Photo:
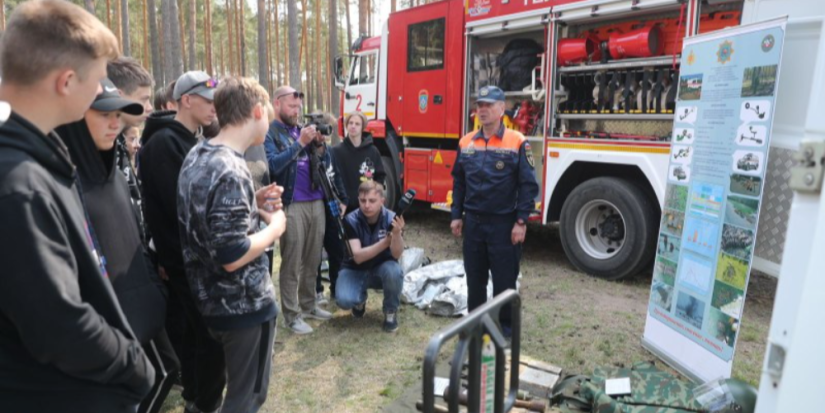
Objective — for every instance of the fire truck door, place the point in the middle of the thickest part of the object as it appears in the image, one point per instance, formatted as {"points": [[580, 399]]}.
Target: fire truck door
{"points": [[425, 80], [361, 92]]}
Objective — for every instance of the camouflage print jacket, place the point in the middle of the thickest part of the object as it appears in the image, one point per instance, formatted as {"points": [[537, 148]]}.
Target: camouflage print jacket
{"points": [[216, 212]]}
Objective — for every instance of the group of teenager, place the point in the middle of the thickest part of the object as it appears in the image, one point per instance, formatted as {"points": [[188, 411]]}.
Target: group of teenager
{"points": [[132, 260]]}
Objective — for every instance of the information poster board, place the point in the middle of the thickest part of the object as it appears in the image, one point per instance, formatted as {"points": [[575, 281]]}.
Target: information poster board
{"points": [[719, 153]]}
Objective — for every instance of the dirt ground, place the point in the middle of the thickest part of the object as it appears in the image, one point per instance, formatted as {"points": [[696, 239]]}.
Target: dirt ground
{"points": [[569, 319]]}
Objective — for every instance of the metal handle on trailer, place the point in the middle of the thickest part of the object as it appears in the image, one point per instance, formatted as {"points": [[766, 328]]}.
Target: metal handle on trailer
{"points": [[470, 330]]}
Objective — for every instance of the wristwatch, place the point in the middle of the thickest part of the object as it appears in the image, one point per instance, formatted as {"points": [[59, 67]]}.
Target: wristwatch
{"points": [[521, 222]]}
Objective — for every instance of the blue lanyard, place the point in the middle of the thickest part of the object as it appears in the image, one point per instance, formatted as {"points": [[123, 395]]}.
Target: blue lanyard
{"points": [[90, 233]]}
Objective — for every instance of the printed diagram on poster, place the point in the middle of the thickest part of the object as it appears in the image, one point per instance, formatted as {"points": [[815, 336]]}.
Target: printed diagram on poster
{"points": [[687, 114], [682, 155], [706, 200], [690, 309], [759, 81], [696, 274], [718, 158], [701, 236], [690, 87], [751, 135], [684, 135], [748, 162], [746, 185], [679, 173], [742, 212], [755, 111]]}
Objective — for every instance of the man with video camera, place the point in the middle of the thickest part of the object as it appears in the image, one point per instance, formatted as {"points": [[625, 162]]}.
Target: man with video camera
{"points": [[294, 154]]}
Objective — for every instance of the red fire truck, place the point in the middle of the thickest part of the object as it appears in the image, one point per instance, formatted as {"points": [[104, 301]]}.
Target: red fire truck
{"points": [[591, 83]]}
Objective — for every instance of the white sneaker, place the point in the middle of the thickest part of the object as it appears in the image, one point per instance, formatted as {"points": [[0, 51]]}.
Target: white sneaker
{"points": [[318, 314], [321, 299], [299, 326]]}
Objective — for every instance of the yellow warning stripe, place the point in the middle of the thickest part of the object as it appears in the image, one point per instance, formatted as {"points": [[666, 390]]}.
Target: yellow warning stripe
{"points": [[429, 135], [367, 114], [612, 148]]}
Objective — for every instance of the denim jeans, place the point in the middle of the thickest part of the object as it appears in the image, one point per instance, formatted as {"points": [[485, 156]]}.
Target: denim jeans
{"points": [[351, 288]]}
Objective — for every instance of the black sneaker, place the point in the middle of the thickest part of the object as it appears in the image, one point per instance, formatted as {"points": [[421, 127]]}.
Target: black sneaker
{"points": [[390, 322], [359, 310]]}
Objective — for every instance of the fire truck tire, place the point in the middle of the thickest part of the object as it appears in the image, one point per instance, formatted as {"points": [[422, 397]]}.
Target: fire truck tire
{"points": [[391, 192], [608, 228]]}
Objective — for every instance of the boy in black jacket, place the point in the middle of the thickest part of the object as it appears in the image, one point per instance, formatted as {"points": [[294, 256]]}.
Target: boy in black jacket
{"points": [[167, 139], [105, 194], [65, 344]]}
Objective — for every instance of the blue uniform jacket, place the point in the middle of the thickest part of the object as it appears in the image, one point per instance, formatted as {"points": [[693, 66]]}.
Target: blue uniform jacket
{"points": [[358, 227], [282, 154], [494, 176]]}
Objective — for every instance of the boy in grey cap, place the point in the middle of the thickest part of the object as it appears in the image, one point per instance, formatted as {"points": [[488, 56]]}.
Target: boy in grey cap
{"points": [[166, 141]]}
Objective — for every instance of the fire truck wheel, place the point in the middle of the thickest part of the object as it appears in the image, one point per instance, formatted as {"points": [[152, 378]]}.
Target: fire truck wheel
{"points": [[391, 192], [608, 228]]}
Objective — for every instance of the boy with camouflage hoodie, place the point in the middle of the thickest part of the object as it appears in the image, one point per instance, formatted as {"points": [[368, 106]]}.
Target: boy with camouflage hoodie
{"points": [[226, 267]]}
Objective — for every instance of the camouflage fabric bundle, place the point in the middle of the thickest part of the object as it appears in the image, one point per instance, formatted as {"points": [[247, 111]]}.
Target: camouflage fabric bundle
{"points": [[653, 391]]}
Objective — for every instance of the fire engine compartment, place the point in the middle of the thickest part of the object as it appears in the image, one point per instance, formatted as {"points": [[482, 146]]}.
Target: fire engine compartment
{"points": [[616, 79]]}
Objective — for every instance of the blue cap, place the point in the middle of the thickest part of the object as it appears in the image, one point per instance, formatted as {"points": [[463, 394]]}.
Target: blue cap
{"points": [[490, 94]]}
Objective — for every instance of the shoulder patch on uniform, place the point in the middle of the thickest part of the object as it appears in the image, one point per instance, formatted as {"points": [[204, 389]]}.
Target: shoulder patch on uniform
{"points": [[529, 154]]}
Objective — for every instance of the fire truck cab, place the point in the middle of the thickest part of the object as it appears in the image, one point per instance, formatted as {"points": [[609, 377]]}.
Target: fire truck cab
{"points": [[591, 84]]}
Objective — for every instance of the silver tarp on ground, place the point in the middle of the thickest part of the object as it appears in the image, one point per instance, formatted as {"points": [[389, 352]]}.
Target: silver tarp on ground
{"points": [[440, 288]]}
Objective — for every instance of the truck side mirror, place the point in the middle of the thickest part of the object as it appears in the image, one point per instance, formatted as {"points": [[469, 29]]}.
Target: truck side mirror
{"points": [[338, 71]]}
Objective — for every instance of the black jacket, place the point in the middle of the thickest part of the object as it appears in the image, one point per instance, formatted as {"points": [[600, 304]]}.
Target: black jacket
{"points": [[356, 165], [106, 196], [165, 143], [65, 344]]}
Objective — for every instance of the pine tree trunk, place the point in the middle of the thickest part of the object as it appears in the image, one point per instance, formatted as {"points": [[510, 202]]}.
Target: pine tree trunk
{"points": [[181, 30], [241, 37], [116, 28], [124, 24], [109, 14], [392, 6], [349, 26], [154, 41], [303, 45], [263, 55], [173, 56], [271, 73], [221, 63], [333, 53], [363, 17], [146, 56], [207, 36], [168, 40], [294, 62], [277, 68], [3, 14], [319, 98], [230, 17], [193, 18]]}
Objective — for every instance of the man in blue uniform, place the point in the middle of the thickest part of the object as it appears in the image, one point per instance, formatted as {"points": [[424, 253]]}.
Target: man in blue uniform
{"points": [[494, 191]]}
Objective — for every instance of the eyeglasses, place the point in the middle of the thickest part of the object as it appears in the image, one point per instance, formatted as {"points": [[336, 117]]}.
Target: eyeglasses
{"points": [[296, 95], [209, 84]]}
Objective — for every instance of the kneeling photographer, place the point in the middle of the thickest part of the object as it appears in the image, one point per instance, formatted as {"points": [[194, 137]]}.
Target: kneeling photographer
{"points": [[295, 156]]}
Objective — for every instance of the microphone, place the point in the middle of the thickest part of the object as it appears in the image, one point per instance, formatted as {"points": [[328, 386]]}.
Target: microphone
{"points": [[405, 202]]}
